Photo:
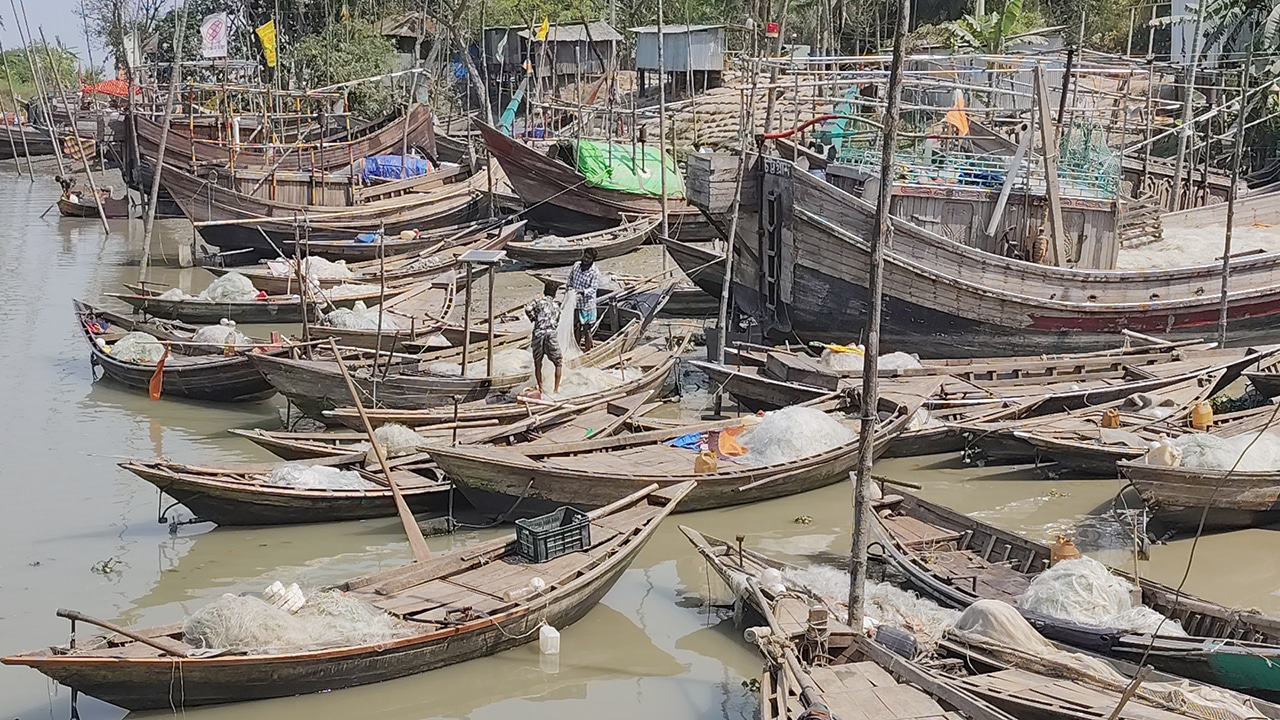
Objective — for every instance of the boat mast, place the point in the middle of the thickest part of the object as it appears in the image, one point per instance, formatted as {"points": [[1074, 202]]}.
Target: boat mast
{"points": [[175, 75], [1184, 132], [881, 238], [662, 131], [13, 97], [1232, 192]]}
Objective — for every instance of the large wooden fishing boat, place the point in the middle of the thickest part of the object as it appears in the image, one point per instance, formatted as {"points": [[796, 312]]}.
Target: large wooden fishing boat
{"points": [[611, 242], [956, 559], [454, 601], [560, 197], [27, 141], [522, 481], [944, 298], [149, 299], [232, 220], [416, 129], [244, 494], [192, 371]]}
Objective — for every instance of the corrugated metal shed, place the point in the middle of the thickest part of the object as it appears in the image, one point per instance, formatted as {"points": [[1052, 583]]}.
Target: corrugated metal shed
{"points": [[567, 50], [597, 31], [685, 47]]}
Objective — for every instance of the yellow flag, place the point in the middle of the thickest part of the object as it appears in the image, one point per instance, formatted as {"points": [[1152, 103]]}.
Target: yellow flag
{"points": [[267, 34], [542, 30]]}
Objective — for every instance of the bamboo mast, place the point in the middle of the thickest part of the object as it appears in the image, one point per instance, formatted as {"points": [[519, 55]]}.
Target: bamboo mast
{"points": [[13, 97], [1188, 89], [175, 75], [882, 237], [1232, 192], [41, 86], [662, 131], [75, 133]]}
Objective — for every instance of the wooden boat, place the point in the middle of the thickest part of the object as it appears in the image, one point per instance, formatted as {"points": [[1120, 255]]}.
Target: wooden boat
{"points": [[956, 559], [271, 309], [686, 300], [454, 601], [28, 141], [817, 666], [522, 481], [855, 678], [558, 196], [608, 243], [703, 265], [1266, 379], [948, 299], [332, 153], [1182, 498], [243, 494], [233, 220], [81, 206], [644, 369], [195, 372], [316, 385]]}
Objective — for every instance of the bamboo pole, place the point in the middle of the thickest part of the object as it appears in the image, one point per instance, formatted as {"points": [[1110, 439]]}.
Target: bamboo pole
{"points": [[37, 77], [1232, 192], [13, 97], [417, 543], [149, 221], [75, 133], [1184, 132], [882, 238]]}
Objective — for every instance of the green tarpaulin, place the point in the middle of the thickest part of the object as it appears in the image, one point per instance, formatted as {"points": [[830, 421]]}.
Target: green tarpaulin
{"points": [[622, 167]]}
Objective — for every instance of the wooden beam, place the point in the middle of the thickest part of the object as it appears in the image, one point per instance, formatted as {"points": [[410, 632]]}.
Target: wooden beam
{"points": [[1049, 140]]}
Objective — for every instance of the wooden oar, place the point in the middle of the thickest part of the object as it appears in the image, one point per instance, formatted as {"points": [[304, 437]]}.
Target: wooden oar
{"points": [[417, 543], [164, 645]]}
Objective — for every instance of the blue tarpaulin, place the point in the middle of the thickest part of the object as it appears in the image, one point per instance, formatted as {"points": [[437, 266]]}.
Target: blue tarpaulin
{"points": [[691, 441], [390, 167]]}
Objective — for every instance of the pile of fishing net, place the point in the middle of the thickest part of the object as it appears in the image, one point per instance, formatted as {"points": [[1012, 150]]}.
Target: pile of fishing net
{"points": [[852, 360], [346, 290], [361, 317], [138, 347], [317, 477], [224, 333], [1084, 591], [1255, 452], [313, 268], [885, 604], [550, 241], [506, 363], [998, 628], [793, 433], [232, 287], [328, 619], [396, 440]]}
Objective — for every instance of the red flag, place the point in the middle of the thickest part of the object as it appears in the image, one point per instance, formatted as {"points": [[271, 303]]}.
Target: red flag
{"points": [[157, 378]]}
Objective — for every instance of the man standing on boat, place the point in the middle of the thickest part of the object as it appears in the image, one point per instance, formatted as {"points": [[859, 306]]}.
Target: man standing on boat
{"points": [[545, 316], [584, 277]]}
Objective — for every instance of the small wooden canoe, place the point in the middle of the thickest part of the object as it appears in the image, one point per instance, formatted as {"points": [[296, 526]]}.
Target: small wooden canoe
{"points": [[1181, 498], [956, 559], [192, 371], [79, 206], [244, 494], [1266, 380], [613, 242], [455, 601], [522, 481], [268, 310]]}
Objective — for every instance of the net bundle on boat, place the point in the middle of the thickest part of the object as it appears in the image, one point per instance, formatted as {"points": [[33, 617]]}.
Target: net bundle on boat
{"points": [[1085, 591], [346, 290], [328, 619], [999, 628], [793, 433], [397, 440], [361, 317], [885, 604], [317, 477], [232, 287], [138, 347], [1255, 452], [853, 361], [224, 333]]}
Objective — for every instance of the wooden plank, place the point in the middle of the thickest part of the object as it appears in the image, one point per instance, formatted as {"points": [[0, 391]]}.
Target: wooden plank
{"points": [[875, 674], [907, 702]]}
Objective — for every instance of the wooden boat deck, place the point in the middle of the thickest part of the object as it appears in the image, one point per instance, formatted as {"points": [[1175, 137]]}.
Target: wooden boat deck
{"points": [[1019, 686], [864, 691], [946, 554]]}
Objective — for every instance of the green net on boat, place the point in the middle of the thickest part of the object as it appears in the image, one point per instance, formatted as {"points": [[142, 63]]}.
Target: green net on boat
{"points": [[634, 169]]}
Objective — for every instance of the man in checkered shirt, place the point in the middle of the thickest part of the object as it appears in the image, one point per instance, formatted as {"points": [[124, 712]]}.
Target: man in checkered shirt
{"points": [[584, 277]]}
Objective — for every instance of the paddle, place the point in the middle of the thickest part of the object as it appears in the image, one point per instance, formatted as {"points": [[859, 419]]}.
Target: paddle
{"points": [[163, 644], [417, 543]]}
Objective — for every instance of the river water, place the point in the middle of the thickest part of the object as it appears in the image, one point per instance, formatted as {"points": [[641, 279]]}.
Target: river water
{"points": [[78, 532]]}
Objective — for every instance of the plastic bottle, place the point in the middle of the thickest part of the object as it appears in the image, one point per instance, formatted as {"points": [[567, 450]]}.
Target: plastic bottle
{"points": [[1063, 549], [1202, 415], [1111, 418], [705, 462], [549, 640]]}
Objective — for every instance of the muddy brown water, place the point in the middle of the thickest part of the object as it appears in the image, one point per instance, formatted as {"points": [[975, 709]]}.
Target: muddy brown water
{"points": [[78, 532]]}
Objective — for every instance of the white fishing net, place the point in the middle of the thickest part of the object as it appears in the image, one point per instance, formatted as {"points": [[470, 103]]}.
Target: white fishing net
{"points": [[1085, 591], [793, 433], [361, 317], [853, 361], [232, 287], [506, 363], [174, 294], [885, 604], [397, 440], [224, 333], [138, 347], [329, 619], [346, 290], [998, 627], [317, 477], [1213, 452], [922, 419], [569, 349], [318, 268], [550, 241]]}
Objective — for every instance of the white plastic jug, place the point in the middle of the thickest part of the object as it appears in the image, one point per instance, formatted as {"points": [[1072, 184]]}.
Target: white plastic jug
{"points": [[549, 640]]}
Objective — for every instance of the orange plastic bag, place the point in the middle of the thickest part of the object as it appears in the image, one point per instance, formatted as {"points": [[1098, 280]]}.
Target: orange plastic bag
{"points": [[726, 445]]}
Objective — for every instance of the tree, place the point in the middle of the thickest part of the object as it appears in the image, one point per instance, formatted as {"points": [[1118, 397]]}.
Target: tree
{"points": [[346, 51], [990, 32]]}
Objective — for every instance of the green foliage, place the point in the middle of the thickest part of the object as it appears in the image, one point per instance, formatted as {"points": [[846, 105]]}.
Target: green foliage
{"points": [[1106, 22], [989, 33], [16, 67], [1230, 23], [343, 52]]}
